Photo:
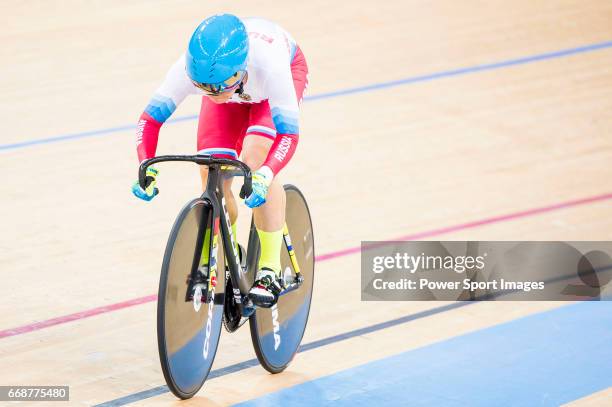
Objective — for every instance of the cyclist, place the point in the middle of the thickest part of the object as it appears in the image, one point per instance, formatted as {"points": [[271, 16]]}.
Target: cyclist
{"points": [[252, 76]]}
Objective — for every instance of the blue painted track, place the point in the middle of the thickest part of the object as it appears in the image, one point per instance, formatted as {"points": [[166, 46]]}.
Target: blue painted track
{"points": [[545, 359]]}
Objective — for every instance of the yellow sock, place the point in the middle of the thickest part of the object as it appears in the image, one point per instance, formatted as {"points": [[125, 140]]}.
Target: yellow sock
{"points": [[205, 248], [235, 237], [270, 249], [204, 257]]}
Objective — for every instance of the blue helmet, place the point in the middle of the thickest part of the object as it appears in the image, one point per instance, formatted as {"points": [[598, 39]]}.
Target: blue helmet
{"points": [[217, 50]]}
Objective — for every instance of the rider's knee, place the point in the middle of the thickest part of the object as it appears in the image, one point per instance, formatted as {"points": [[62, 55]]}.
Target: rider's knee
{"points": [[254, 160], [255, 152]]}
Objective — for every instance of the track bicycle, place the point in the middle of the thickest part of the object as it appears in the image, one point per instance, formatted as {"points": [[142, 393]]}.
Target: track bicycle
{"points": [[194, 302]]}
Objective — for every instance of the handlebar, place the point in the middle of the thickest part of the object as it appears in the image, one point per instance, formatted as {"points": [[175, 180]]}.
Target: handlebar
{"points": [[208, 160]]}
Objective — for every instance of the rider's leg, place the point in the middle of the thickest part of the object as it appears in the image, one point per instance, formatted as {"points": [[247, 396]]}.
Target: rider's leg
{"points": [[270, 217], [230, 201], [220, 128], [232, 210]]}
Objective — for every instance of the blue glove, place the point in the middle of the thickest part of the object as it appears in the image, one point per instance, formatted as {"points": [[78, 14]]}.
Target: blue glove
{"points": [[262, 178], [150, 190]]}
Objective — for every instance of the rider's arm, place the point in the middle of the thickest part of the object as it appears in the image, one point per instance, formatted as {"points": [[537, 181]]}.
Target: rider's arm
{"points": [[167, 97], [285, 114]]}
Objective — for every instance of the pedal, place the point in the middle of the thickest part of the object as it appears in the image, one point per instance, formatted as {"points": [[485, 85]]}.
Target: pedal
{"points": [[264, 304], [199, 278], [248, 308], [268, 304]]}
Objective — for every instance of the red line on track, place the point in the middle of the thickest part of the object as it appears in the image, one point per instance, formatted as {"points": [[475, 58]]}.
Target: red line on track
{"points": [[328, 256], [477, 223], [76, 316]]}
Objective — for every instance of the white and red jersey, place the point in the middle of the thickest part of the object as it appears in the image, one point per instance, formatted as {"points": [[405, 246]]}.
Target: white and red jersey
{"points": [[271, 51]]}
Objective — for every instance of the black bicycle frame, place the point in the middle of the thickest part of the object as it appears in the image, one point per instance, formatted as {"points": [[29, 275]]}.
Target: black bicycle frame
{"points": [[213, 196]]}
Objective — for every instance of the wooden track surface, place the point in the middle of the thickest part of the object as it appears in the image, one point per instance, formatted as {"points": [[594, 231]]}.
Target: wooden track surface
{"points": [[373, 165]]}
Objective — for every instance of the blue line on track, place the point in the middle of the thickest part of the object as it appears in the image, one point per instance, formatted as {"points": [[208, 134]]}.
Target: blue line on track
{"points": [[360, 89], [156, 391], [546, 359]]}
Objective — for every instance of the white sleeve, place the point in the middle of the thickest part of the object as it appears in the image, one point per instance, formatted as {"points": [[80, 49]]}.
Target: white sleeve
{"points": [[173, 90], [283, 101]]}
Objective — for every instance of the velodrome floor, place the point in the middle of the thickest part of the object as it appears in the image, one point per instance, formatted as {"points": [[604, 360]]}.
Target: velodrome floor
{"points": [[424, 120]]}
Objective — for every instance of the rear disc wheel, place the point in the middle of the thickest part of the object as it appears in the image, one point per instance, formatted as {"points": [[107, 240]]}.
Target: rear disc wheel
{"points": [[277, 332]]}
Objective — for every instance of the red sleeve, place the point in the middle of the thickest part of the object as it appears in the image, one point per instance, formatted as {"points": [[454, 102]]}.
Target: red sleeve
{"points": [[281, 151], [147, 133]]}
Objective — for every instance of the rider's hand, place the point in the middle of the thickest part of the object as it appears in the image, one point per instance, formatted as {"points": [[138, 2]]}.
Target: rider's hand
{"points": [[150, 190], [262, 178]]}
